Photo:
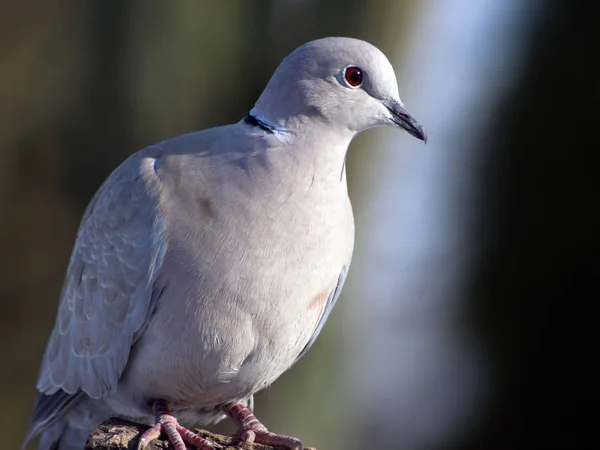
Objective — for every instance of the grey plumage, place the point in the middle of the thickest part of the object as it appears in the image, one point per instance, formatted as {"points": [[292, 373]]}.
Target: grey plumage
{"points": [[207, 264]]}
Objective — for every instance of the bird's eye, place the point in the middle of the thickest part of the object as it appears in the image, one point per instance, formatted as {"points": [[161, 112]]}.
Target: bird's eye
{"points": [[353, 76]]}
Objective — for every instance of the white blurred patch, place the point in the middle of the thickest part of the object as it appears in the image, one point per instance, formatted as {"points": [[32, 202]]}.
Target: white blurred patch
{"points": [[421, 376]]}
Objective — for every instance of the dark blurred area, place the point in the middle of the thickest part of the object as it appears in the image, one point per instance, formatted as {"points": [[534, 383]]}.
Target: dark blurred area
{"points": [[538, 267], [85, 84]]}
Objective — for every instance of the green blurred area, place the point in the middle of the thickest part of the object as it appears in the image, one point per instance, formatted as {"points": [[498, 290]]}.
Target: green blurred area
{"points": [[83, 85]]}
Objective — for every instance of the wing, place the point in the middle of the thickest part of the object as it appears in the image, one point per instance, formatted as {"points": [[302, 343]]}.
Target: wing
{"points": [[107, 295], [333, 296]]}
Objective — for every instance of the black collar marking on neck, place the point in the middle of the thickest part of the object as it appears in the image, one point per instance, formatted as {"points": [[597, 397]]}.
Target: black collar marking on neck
{"points": [[251, 120]]}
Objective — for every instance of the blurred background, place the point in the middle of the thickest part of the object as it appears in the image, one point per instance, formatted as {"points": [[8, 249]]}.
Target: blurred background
{"points": [[464, 319]]}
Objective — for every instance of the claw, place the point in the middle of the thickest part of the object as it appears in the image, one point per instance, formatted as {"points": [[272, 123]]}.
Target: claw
{"points": [[178, 436], [251, 430]]}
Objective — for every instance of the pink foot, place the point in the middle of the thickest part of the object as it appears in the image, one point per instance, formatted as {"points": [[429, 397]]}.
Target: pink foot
{"points": [[178, 436], [251, 430]]}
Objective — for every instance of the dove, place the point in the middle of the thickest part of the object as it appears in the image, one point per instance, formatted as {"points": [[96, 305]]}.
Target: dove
{"points": [[206, 265]]}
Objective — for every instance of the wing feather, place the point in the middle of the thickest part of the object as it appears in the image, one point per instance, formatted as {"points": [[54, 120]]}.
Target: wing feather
{"points": [[107, 293]]}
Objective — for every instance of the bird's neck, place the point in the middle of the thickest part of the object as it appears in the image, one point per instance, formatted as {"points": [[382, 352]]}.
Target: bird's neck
{"points": [[313, 149], [267, 125], [320, 155]]}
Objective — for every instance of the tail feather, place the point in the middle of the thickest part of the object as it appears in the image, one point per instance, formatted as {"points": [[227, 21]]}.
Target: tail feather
{"points": [[50, 438], [49, 409], [63, 436]]}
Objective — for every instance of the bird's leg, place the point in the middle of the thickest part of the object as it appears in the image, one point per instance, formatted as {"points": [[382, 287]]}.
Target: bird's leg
{"points": [[249, 429], [178, 436]]}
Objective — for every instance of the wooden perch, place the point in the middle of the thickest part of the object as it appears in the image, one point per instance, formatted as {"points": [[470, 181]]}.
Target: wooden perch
{"points": [[119, 434]]}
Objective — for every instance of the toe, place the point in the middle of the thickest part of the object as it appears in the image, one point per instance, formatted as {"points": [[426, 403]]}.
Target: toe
{"points": [[278, 440], [148, 436], [194, 439]]}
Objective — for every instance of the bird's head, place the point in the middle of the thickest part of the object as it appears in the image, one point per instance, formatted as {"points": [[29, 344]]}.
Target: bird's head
{"points": [[346, 83]]}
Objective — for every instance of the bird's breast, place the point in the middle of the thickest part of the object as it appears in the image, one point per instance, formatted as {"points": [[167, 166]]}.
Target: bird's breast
{"points": [[246, 288]]}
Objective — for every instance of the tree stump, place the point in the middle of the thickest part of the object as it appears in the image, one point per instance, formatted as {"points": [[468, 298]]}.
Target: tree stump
{"points": [[119, 434]]}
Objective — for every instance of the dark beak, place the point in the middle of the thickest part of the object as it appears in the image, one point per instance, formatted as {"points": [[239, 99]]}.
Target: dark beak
{"points": [[403, 119]]}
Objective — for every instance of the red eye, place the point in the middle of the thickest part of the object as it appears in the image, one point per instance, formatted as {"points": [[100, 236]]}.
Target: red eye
{"points": [[353, 76]]}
